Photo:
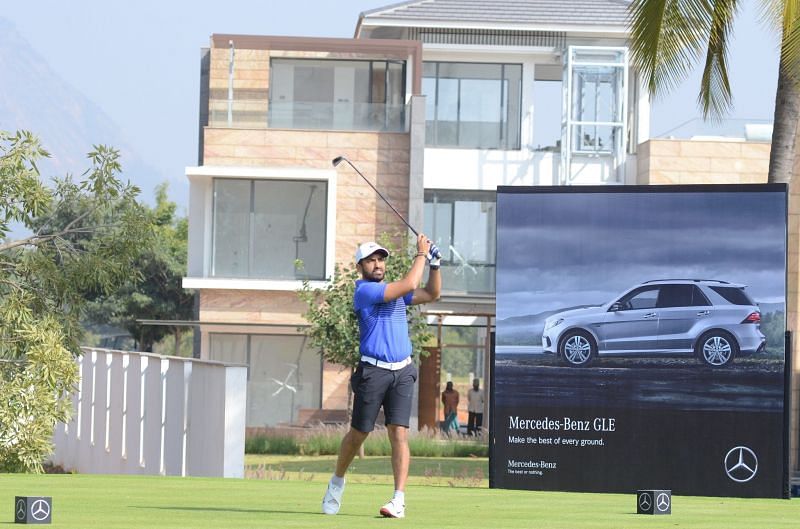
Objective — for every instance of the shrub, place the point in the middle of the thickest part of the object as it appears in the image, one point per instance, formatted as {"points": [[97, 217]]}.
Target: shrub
{"points": [[377, 444], [34, 396], [263, 444], [323, 443], [326, 441]]}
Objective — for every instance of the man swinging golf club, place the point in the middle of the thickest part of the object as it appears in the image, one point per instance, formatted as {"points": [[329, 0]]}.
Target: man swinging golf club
{"points": [[386, 374]]}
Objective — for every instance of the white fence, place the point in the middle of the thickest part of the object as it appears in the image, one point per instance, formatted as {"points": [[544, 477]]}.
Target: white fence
{"points": [[138, 413]]}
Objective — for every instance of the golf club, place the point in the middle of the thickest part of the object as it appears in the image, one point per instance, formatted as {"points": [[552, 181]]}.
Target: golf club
{"points": [[340, 159]]}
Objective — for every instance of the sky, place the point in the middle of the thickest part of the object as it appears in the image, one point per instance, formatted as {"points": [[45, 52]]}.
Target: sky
{"points": [[570, 248], [139, 62]]}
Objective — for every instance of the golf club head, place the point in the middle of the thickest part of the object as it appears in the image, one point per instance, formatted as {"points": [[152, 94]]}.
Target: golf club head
{"points": [[337, 160]]}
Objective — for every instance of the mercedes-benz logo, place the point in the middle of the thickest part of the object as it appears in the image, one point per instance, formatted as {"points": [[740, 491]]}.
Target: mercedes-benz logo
{"points": [[644, 502], [40, 510], [741, 464], [20, 509], [662, 502]]}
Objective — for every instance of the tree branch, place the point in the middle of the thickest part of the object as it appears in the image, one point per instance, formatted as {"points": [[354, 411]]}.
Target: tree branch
{"points": [[36, 240]]}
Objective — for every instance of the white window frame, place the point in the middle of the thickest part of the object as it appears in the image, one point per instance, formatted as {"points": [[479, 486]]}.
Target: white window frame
{"points": [[201, 223]]}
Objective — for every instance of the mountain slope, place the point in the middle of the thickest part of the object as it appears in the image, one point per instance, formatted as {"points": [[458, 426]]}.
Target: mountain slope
{"points": [[34, 97]]}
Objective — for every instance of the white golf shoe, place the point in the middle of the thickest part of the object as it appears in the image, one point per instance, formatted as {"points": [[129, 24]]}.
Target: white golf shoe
{"points": [[393, 509], [333, 499]]}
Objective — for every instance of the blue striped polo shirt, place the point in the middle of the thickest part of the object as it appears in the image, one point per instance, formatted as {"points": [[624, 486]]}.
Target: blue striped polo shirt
{"points": [[383, 325]]}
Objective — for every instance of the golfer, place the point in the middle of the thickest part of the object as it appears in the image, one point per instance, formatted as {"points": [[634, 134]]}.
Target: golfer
{"points": [[386, 374]]}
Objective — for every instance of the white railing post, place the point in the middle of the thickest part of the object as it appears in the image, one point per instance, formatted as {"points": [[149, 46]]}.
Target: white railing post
{"points": [[133, 415], [84, 411], [235, 420], [173, 418], [151, 433], [116, 412]]}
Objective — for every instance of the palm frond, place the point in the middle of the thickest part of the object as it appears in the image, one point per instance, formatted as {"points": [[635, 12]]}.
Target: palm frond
{"points": [[770, 13], [667, 39], [790, 41], [715, 90]]}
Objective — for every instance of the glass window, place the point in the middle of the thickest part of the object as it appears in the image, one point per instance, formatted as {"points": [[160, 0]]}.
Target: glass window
{"points": [[596, 101], [262, 227], [337, 94], [463, 355], [231, 228], [641, 298], [681, 296], [472, 105], [734, 295], [230, 348], [439, 225], [313, 83], [284, 374], [462, 224], [470, 221]]}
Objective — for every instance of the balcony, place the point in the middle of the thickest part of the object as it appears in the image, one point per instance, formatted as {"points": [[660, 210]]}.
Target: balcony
{"points": [[308, 115], [338, 116]]}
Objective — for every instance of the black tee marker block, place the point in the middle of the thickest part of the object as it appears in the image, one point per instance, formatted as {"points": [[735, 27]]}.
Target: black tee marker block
{"points": [[33, 509], [654, 502]]}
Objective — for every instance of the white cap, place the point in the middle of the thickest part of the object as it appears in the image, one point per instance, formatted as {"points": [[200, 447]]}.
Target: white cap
{"points": [[369, 248]]}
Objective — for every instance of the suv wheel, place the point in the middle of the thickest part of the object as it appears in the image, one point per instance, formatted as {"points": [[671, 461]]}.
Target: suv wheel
{"points": [[577, 348], [716, 348]]}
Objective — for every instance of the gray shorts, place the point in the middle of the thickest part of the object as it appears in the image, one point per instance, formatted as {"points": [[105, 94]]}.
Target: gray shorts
{"points": [[374, 387]]}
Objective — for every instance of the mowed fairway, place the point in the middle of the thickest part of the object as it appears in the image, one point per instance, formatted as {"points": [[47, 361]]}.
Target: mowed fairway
{"points": [[86, 501]]}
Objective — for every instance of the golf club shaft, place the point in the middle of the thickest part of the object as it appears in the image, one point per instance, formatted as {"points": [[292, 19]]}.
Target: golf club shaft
{"points": [[339, 159]]}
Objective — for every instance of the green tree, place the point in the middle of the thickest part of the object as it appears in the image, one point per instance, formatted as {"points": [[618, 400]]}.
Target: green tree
{"points": [[155, 291], [773, 326], [333, 325], [84, 237], [668, 37], [459, 361]]}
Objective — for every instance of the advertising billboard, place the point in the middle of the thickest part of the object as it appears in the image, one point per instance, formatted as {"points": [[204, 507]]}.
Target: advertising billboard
{"points": [[641, 339]]}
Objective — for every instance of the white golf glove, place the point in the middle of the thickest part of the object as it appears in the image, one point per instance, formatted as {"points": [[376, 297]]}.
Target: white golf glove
{"points": [[434, 257]]}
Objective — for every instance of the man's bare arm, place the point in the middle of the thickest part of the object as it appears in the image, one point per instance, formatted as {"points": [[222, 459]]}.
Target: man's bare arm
{"points": [[431, 291]]}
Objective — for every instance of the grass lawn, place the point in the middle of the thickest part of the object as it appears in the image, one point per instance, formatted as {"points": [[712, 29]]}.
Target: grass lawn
{"points": [[94, 501]]}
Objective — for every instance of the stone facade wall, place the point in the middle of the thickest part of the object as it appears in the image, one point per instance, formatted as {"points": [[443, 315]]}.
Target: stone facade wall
{"points": [[251, 306], [250, 87], [702, 162]]}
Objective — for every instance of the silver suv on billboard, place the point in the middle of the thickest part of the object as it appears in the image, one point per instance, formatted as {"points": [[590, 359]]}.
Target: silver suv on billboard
{"points": [[714, 320]]}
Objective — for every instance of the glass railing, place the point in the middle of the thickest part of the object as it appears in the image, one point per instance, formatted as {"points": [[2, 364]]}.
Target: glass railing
{"points": [[468, 278], [342, 116]]}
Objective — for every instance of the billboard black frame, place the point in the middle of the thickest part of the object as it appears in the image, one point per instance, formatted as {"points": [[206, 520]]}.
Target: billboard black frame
{"points": [[695, 188]]}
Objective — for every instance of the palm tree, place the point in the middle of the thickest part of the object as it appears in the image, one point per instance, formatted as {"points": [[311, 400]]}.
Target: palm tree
{"points": [[668, 37]]}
